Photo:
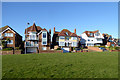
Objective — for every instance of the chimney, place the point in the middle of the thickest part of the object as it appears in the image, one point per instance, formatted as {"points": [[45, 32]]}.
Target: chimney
{"points": [[54, 29], [50, 31], [75, 31]]}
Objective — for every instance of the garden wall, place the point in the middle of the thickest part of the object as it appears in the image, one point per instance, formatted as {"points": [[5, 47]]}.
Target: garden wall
{"points": [[51, 51], [10, 52]]}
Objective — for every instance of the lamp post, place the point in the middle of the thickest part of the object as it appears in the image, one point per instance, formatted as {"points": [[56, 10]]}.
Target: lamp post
{"points": [[26, 38]]}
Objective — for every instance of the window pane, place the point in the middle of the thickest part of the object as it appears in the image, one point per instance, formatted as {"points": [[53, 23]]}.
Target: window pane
{"points": [[44, 42], [62, 37], [44, 35]]}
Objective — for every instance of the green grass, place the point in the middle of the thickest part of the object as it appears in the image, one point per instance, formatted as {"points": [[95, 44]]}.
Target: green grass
{"points": [[61, 65]]}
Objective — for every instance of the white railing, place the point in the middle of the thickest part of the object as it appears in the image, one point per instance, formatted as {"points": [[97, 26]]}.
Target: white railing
{"points": [[31, 45], [36, 38]]}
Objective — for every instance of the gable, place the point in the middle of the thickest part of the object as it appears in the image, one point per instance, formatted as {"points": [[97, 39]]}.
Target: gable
{"points": [[8, 30]]}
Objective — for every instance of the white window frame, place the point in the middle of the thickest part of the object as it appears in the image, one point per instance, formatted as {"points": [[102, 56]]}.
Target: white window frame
{"points": [[61, 37], [0, 35], [11, 42], [44, 39], [44, 48], [74, 44], [74, 38], [61, 43], [8, 34]]}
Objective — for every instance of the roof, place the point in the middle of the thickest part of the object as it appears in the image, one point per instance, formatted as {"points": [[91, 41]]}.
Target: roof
{"points": [[87, 33], [34, 28], [107, 35], [5, 27], [66, 32]]}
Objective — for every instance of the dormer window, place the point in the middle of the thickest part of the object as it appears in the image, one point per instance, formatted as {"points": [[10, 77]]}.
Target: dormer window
{"points": [[91, 34], [97, 34], [66, 33]]}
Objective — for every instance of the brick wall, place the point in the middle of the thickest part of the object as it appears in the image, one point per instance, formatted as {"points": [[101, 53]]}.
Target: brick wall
{"points": [[51, 51], [7, 52], [94, 49], [11, 52]]}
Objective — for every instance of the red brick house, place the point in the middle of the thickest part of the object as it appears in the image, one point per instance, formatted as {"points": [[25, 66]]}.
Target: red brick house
{"points": [[65, 40], [15, 39], [37, 39]]}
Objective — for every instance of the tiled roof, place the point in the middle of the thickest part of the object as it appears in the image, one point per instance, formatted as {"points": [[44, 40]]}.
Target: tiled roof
{"points": [[44, 29], [66, 32], [33, 28], [88, 33], [5, 27]]}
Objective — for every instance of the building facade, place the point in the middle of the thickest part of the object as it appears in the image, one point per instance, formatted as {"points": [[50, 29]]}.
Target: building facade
{"points": [[65, 39], [37, 39], [91, 38], [9, 35]]}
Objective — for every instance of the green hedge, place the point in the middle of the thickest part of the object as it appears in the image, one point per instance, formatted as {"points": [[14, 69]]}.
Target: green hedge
{"points": [[7, 49], [58, 49]]}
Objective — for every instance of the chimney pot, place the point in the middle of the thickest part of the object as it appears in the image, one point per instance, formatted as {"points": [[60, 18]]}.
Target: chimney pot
{"points": [[54, 29], [75, 31], [50, 31]]}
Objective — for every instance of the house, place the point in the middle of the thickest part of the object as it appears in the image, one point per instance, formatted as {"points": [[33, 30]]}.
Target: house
{"points": [[65, 40], [12, 38], [91, 38], [37, 39], [108, 40]]}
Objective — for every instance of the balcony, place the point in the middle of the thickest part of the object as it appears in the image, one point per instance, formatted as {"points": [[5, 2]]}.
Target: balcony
{"points": [[31, 45], [98, 36], [36, 38]]}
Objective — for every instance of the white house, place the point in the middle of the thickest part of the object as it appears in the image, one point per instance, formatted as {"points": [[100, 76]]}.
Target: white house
{"points": [[91, 38]]}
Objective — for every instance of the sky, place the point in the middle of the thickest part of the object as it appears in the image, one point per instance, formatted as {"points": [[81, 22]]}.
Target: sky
{"points": [[84, 16]]}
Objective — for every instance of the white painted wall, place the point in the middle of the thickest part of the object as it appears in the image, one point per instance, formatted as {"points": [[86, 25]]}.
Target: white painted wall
{"points": [[92, 40]]}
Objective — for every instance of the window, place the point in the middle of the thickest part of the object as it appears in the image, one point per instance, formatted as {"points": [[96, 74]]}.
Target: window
{"points": [[62, 44], [44, 42], [74, 38], [62, 37], [99, 39], [8, 34], [67, 38], [36, 42], [27, 43], [0, 35], [91, 34], [32, 36], [112, 45], [10, 42], [44, 48], [74, 43], [44, 38], [66, 33], [57, 39], [44, 35], [97, 34]]}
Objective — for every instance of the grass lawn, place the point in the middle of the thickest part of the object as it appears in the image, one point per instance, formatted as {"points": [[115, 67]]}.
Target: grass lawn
{"points": [[61, 65]]}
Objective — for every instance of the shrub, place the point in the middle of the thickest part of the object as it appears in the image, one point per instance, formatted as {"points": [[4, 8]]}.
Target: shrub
{"points": [[7, 49], [111, 48], [58, 49], [117, 48], [17, 48]]}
